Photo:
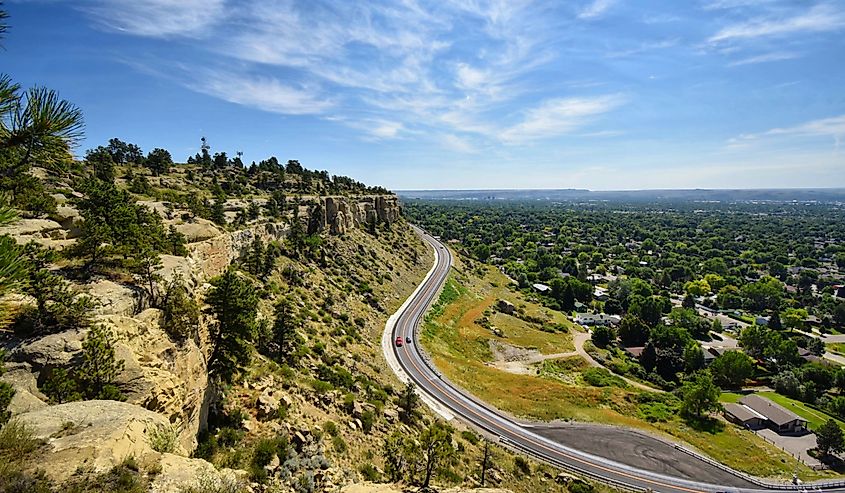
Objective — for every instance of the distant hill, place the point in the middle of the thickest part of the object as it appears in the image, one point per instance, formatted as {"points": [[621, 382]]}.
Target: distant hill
{"points": [[738, 195]]}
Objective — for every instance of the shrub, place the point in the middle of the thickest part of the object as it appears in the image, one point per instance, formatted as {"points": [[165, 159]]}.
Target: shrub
{"points": [[214, 484], [180, 312], [163, 438], [339, 444], [61, 386], [17, 439], [331, 428], [367, 420], [6, 395], [470, 437], [370, 473], [522, 466], [601, 377]]}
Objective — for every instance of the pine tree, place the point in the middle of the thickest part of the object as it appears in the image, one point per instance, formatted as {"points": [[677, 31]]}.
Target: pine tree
{"points": [[286, 339], [235, 305], [409, 403], [180, 313], [100, 368]]}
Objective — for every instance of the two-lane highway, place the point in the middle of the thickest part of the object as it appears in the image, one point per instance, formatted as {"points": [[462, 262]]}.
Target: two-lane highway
{"points": [[519, 436]]}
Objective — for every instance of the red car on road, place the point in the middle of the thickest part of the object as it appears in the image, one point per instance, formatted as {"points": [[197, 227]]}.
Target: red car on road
{"points": [[399, 341]]}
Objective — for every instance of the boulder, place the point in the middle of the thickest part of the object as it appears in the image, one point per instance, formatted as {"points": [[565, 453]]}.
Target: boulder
{"points": [[198, 230], [26, 230], [159, 374], [95, 434], [178, 473], [505, 307], [70, 219], [27, 396], [51, 350], [267, 405], [114, 298]]}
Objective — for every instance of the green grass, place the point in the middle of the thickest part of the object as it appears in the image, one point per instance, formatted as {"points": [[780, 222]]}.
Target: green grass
{"points": [[814, 417], [730, 397], [836, 347]]}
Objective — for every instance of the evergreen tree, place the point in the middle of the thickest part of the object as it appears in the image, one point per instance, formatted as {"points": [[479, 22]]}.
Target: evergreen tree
{"points": [[61, 386], [234, 304], [286, 337], [437, 450], [99, 368], [218, 209], [179, 312], [100, 161], [409, 403], [159, 161]]}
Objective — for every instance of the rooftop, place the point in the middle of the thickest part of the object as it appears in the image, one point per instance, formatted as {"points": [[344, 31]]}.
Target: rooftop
{"points": [[776, 413]]}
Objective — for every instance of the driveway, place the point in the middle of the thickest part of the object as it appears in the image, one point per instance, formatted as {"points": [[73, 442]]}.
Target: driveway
{"points": [[797, 446]]}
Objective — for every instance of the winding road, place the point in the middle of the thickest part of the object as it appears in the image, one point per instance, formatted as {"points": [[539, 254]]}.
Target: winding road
{"points": [[625, 470]]}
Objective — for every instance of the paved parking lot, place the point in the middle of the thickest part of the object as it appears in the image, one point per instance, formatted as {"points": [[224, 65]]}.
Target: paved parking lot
{"points": [[795, 445]]}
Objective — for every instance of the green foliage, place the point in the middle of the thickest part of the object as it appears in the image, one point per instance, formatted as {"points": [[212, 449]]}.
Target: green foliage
{"points": [[601, 377], [234, 304], [58, 306], [369, 472], [179, 311], [829, 438], [409, 403], [7, 392], [61, 385], [17, 439], [633, 331], [163, 438], [115, 228], [700, 396], [732, 369], [35, 126], [603, 335], [521, 466], [99, 368]]}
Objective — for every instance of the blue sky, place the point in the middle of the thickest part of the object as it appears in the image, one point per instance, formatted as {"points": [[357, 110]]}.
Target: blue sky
{"points": [[411, 94]]}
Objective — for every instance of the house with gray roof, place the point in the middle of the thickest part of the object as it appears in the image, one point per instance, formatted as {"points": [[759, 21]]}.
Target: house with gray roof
{"points": [[777, 417]]}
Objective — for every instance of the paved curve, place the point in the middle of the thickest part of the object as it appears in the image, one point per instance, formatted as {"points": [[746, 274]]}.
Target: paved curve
{"points": [[525, 438]]}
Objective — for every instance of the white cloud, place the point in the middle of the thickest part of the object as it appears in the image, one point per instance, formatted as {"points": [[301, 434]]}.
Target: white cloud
{"points": [[559, 116], [833, 127], [764, 58], [267, 94], [457, 144], [820, 18], [157, 18], [595, 9]]}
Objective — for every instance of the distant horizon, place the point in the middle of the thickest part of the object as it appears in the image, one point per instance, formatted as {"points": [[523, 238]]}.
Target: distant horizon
{"points": [[529, 189]]}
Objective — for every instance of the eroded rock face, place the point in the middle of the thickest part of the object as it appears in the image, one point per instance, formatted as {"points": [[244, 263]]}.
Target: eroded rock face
{"points": [[97, 434], [159, 374], [339, 214]]}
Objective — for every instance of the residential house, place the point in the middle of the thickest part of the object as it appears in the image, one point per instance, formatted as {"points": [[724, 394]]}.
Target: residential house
{"points": [[590, 319], [777, 417], [744, 416]]}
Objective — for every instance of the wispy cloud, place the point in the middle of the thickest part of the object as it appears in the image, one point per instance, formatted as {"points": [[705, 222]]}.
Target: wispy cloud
{"points": [[833, 127], [776, 56], [819, 18], [263, 93], [156, 18], [559, 116], [595, 9]]}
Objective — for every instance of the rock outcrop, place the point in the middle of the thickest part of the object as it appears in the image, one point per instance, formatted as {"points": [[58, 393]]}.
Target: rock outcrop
{"points": [[390, 488], [340, 214], [96, 434]]}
